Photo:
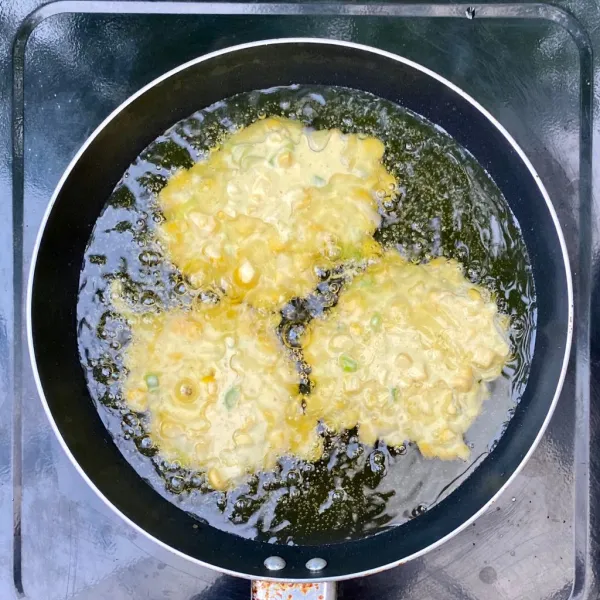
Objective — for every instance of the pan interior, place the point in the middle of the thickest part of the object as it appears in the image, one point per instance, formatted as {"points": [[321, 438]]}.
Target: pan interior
{"points": [[448, 205]]}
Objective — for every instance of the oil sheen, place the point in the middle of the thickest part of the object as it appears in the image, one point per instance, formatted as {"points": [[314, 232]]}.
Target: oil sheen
{"points": [[444, 205]]}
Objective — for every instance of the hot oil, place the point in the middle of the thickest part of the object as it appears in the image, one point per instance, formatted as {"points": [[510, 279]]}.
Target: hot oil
{"points": [[446, 204]]}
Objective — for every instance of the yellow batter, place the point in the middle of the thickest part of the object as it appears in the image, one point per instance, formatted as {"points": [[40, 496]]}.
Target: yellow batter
{"points": [[406, 355], [274, 201], [221, 394]]}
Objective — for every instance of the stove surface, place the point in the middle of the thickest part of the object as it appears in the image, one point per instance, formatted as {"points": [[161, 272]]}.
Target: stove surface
{"points": [[57, 539]]}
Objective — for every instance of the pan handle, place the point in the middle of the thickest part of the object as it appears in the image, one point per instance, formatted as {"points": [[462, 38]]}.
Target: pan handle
{"points": [[274, 590]]}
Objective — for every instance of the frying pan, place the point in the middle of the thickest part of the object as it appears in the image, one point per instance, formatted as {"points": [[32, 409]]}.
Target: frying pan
{"points": [[80, 197]]}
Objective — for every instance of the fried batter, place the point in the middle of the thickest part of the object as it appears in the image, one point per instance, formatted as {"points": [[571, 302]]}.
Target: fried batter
{"points": [[406, 355], [272, 203], [221, 394]]}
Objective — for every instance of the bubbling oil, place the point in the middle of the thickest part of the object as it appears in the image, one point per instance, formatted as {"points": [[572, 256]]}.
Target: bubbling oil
{"points": [[445, 205]]}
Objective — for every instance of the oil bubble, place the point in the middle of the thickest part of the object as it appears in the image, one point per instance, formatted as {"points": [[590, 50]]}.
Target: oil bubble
{"points": [[292, 335], [146, 446], [148, 298], [338, 495], [149, 258], [181, 288], [196, 481], [293, 477], [131, 420], [176, 485]]}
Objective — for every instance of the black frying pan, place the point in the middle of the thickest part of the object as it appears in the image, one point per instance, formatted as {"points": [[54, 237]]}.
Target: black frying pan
{"points": [[82, 194]]}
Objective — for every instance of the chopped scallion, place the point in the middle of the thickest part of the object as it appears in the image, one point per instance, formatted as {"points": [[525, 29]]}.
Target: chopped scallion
{"points": [[348, 364], [152, 381], [231, 397]]}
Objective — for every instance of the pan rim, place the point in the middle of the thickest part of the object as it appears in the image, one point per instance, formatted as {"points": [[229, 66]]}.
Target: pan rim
{"points": [[297, 40]]}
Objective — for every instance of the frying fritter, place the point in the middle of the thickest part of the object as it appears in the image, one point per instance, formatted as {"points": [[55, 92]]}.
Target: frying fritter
{"points": [[221, 394], [406, 355], [272, 203]]}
